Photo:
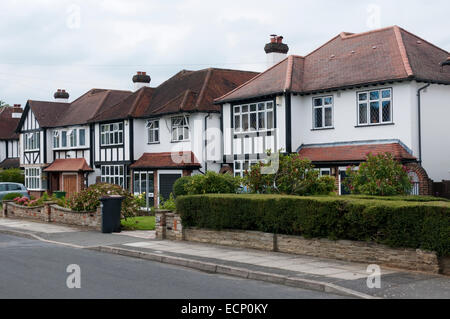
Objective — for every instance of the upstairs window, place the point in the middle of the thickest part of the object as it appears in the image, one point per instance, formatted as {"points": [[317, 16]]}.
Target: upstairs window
{"points": [[375, 107], [55, 139], [82, 137], [63, 139], [153, 131], [73, 138], [32, 141], [323, 112], [180, 129], [257, 117], [111, 134]]}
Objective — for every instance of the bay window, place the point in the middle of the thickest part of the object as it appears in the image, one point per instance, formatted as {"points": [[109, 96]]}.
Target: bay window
{"points": [[113, 174], [33, 178]]}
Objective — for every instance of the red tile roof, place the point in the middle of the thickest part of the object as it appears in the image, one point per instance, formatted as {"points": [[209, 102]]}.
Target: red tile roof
{"points": [[353, 153], [348, 60], [187, 91], [69, 165], [8, 124], [10, 163], [56, 114], [167, 160]]}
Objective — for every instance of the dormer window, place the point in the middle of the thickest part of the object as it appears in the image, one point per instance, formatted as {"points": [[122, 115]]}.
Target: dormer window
{"points": [[375, 107]]}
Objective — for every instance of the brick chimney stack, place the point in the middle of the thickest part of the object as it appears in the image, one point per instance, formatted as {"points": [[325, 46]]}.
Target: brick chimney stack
{"points": [[141, 79], [275, 50], [17, 111], [61, 96]]}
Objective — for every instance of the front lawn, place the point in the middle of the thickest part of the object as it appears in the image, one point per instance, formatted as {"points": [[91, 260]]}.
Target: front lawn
{"points": [[139, 223]]}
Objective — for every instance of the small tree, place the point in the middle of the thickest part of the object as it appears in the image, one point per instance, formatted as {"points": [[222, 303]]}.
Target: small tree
{"points": [[380, 175], [293, 176]]}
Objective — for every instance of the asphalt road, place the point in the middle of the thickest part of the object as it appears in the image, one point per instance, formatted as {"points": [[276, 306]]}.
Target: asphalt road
{"points": [[32, 269]]}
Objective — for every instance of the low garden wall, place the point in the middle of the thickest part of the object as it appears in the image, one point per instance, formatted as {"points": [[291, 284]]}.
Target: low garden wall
{"points": [[406, 232], [52, 213]]}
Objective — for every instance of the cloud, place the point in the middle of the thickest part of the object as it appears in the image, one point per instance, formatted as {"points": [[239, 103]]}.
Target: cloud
{"points": [[43, 48]]}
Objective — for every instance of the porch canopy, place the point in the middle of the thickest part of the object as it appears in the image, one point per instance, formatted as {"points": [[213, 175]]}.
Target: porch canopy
{"points": [[69, 165], [167, 160], [353, 153]]}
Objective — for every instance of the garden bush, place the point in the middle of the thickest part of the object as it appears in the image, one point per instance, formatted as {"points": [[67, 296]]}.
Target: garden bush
{"points": [[179, 187], [13, 175], [424, 225], [11, 196], [379, 175], [89, 199], [211, 183], [294, 176]]}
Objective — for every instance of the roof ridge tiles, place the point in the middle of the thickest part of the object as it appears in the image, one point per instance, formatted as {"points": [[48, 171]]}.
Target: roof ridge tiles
{"points": [[401, 47]]}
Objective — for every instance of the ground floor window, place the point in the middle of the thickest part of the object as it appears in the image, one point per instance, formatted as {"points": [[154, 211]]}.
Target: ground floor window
{"points": [[241, 166], [113, 174], [33, 178]]}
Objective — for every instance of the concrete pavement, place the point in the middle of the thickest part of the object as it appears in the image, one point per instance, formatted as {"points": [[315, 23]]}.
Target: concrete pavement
{"points": [[320, 274]]}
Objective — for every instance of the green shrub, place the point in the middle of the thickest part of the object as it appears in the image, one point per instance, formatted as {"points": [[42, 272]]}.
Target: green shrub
{"points": [[398, 223], [11, 196], [212, 183], [89, 199], [168, 204], [179, 187], [380, 175], [294, 176], [13, 175]]}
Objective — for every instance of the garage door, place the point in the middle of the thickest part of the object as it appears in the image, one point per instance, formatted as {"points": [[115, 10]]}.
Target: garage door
{"points": [[166, 182]]}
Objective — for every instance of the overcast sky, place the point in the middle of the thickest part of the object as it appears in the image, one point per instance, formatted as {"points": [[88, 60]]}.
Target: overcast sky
{"points": [[82, 44]]}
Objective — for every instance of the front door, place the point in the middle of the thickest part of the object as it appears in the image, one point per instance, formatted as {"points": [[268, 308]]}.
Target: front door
{"points": [[166, 182], [70, 182], [144, 184], [344, 189], [54, 182]]}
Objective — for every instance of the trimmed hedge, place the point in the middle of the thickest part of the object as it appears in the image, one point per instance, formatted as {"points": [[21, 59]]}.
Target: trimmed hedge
{"points": [[398, 223]]}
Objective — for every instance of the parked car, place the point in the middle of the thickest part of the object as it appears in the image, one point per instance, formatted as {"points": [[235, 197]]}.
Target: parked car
{"points": [[8, 188]]}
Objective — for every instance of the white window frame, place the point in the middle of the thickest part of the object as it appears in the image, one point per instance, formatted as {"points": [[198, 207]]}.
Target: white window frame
{"points": [[180, 124], [108, 133], [323, 106], [72, 134], [368, 102], [113, 174], [56, 139], [244, 165], [151, 128], [247, 110], [33, 178], [32, 141]]}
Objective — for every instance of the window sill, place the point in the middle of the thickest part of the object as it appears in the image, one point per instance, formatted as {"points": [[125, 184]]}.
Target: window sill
{"points": [[323, 129], [180, 141], [372, 125], [153, 143]]}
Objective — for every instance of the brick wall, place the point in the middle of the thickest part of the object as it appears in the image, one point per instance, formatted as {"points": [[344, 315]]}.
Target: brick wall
{"points": [[168, 225], [52, 213], [364, 252], [425, 183]]}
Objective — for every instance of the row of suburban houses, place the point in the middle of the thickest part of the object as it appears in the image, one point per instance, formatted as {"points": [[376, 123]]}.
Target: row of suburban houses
{"points": [[385, 90]]}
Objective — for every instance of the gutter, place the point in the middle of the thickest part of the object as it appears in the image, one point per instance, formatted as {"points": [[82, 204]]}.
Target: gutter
{"points": [[420, 120]]}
